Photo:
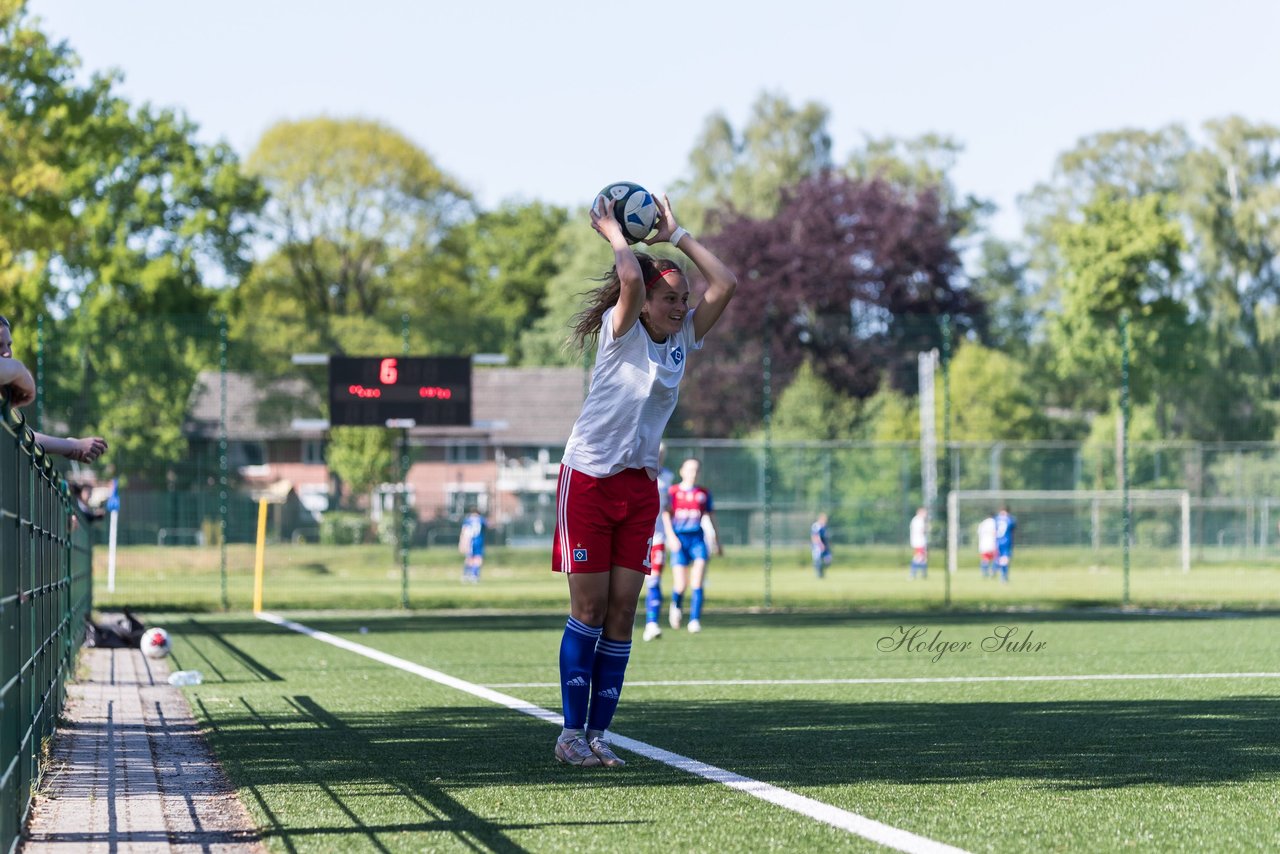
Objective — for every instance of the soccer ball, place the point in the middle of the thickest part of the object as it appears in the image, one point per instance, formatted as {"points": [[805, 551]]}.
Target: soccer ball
{"points": [[636, 210], [155, 643]]}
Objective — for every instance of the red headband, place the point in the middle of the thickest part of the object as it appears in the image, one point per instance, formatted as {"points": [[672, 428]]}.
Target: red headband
{"points": [[656, 277]]}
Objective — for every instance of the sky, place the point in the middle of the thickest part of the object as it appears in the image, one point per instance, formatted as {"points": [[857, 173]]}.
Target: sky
{"points": [[551, 101]]}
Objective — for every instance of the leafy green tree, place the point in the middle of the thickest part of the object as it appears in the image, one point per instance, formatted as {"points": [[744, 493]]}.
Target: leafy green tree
{"points": [[746, 171], [581, 256], [115, 222], [357, 211], [362, 457], [1123, 258], [918, 164]]}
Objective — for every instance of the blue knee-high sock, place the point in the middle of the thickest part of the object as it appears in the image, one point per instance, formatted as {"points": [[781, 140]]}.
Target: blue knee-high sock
{"points": [[653, 602], [606, 681], [577, 658], [695, 610], [677, 598]]}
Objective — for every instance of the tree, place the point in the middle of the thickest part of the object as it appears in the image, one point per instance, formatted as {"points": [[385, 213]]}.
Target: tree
{"points": [[779, 146], [1122, 259], [361, 457], [850, 275], [115, 218], [356, 211]]}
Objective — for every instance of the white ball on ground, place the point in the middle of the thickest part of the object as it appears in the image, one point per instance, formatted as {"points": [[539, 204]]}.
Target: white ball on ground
{"points": [[155, 643]]}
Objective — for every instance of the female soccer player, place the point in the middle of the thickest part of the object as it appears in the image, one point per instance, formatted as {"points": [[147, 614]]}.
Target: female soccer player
{"points": [[606, 501], [690, 507]]}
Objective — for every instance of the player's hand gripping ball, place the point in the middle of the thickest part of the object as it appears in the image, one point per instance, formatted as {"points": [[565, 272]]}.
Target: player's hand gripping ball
{"points": [[155, 643], [635, 211]]}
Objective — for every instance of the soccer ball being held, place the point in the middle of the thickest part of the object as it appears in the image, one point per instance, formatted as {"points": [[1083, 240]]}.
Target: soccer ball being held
{"points": [[635, 211], [155, 643]]}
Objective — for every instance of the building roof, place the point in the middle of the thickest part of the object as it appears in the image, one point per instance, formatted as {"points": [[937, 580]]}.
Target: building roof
{"points": [[510, 406]]}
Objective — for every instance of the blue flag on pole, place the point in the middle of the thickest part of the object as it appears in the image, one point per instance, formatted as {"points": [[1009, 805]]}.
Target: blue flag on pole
{"points": [[113, 503]]}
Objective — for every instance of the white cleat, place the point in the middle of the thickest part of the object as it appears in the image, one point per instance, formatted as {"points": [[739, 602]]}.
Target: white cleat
{"points": [[652, 631], [674, 617], [695, 626], [574, 751], [604, 753]]}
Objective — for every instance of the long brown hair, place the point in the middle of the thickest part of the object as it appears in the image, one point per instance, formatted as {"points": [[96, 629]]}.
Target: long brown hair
{"points": [[586, 323]]}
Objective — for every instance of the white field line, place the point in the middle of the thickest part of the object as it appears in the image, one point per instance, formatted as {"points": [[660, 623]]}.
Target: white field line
{"points": [[884, 834], [922, 680]]}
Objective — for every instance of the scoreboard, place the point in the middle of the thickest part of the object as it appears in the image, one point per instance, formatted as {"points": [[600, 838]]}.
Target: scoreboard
{"points": [[369, 391]]}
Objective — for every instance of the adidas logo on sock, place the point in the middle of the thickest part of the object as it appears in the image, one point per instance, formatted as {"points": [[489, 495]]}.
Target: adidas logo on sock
{"points": [[576, 682], [609, 693]]}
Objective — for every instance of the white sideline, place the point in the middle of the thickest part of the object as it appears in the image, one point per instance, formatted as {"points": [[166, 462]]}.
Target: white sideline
{"points": [[910, 680], [884, 834]]}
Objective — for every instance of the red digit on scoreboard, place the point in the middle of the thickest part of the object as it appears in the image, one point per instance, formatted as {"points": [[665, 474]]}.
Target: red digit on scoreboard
{"points": [[387, 372]]}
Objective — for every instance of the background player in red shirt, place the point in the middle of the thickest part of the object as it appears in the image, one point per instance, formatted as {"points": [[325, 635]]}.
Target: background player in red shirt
{"points": [[691, 504]]}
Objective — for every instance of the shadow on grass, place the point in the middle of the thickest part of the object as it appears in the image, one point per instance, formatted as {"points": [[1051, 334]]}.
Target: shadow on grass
{"points": [[404, 768], [414, 769]]}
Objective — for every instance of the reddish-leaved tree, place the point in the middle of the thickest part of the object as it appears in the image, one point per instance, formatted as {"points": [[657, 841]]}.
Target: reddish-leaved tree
{"points": [[853, 275]]}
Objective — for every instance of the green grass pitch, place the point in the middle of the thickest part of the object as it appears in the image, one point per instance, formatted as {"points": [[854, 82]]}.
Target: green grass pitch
{"points": [[333, 751]]}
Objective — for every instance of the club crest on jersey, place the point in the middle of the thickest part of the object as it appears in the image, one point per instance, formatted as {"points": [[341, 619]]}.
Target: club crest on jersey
{"points": [[579, 555], [677, 355]]}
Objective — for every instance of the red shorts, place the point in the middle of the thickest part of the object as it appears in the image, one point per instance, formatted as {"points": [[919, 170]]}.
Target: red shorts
{"points": [[920, 555], [987, 556], [602, 522]]}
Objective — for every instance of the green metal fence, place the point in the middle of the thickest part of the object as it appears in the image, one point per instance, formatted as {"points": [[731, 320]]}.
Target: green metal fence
{"points": [[45, 594]]}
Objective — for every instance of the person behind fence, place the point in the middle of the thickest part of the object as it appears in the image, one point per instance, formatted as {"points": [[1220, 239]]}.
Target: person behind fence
{"points": [[657, 551], [15, 377], [919, 533], [987, 546], [606, 501], [820, 545], [471, 544], [1005, 525]]}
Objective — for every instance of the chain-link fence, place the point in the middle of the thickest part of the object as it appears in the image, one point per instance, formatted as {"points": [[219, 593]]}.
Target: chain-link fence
{"points": [[45, 594], [229, 431]]}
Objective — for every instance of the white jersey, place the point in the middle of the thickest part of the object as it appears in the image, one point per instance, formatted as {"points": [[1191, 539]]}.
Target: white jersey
{"points": [[987, 535], [634, 389], [919, 532]]}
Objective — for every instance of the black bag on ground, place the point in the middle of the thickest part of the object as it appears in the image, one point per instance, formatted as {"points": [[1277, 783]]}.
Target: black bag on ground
{"points": [[114, 631]]}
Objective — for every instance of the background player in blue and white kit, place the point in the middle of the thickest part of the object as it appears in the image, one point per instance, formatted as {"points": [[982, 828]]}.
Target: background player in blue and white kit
{"points": [[606, 500], [657, 552], [690, 505], [471, 544], [919, 533], [1005, 525], [820, 545]]}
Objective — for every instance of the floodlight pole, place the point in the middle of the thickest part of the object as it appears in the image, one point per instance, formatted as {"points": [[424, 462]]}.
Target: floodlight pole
{"points": [[223, 493], [404, 485], [1124, 443], [767, 406], [946, 435]]}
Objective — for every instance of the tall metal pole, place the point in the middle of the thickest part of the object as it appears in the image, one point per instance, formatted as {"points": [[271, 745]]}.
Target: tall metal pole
{"points": [[767, 406], [1124, 443], [404, 486], [39, 371], [222, 460], [946, 434]]}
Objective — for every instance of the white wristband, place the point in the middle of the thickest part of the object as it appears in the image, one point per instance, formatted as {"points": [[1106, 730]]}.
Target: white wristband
{"points": [[676, 236]]}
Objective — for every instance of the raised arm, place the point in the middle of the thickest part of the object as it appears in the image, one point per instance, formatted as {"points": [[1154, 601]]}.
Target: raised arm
{"points": [[721, 281], [631, 297]]}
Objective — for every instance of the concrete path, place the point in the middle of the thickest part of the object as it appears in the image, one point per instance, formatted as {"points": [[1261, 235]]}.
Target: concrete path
{"points": [[130, 771]]}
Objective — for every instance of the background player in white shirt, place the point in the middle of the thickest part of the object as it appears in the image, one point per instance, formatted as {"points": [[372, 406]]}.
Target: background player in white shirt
{"points": [[987, 546], [919, 531], [606, 502]]}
